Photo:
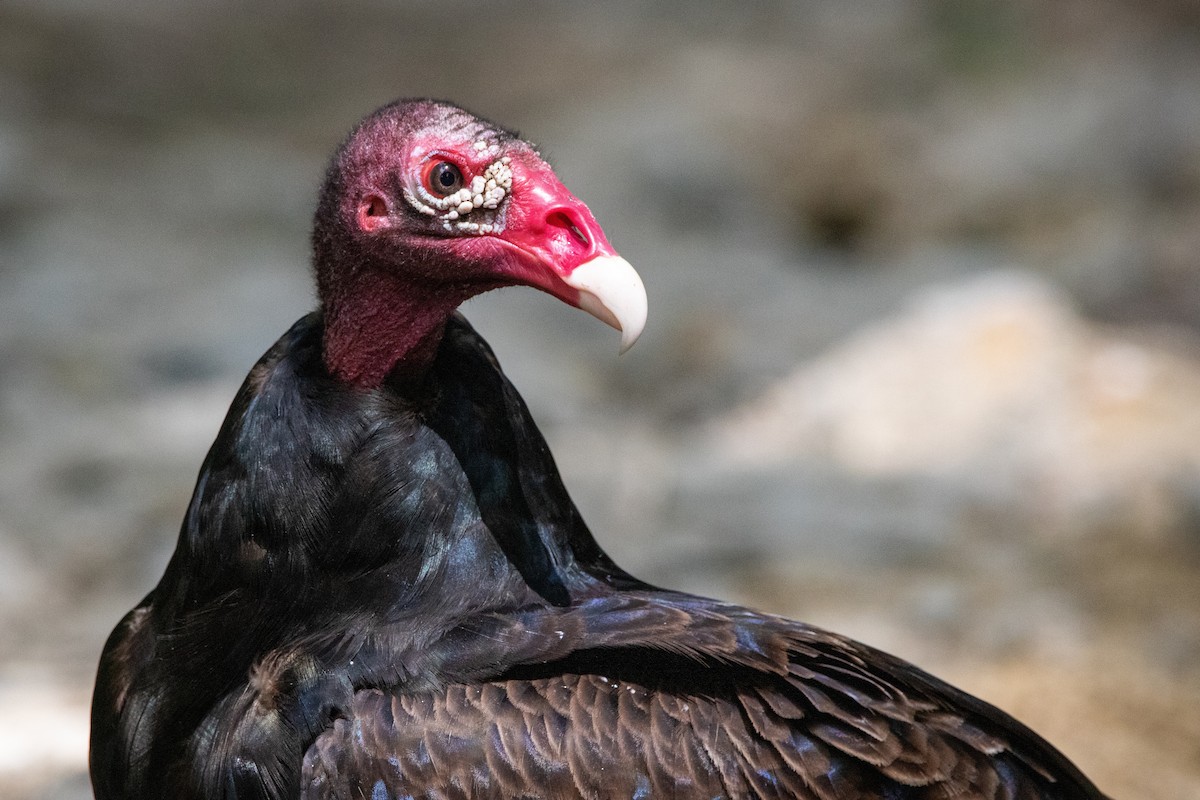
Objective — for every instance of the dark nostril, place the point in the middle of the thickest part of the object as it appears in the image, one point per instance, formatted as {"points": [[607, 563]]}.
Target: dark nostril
{"points": [[562, 220]]}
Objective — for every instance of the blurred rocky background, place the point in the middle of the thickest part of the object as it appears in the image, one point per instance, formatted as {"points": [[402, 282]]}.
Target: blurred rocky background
{"points": [[923, 362]]}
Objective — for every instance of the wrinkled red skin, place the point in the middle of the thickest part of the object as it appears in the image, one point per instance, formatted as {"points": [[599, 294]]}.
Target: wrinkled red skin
{"points": [[389, 276]]}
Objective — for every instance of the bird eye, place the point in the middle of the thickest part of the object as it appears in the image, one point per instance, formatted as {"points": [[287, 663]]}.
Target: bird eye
{"points": [[444, 179]]}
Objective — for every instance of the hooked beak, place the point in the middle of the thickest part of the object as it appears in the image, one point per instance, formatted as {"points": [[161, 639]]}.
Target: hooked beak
{"points": [[563, 251], [612, 292]]}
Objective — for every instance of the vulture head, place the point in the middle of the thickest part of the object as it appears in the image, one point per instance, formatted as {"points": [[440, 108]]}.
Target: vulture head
{"points": [[424, 206]]}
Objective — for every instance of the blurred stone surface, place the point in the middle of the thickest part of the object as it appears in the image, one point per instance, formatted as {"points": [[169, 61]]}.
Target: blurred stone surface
{"points": [[921, 362], [996, 390]]}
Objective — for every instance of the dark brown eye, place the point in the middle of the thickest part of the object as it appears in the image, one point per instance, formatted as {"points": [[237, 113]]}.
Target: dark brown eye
{"points": [[443, 179]]}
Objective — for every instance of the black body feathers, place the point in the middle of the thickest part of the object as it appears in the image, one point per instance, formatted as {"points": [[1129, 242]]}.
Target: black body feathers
{"points": [[388, 593]]}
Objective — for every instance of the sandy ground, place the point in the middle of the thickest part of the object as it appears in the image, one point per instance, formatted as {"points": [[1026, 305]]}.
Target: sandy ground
{"points": [[922, 364]]}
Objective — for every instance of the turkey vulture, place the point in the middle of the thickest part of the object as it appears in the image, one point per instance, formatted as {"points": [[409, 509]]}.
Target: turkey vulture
{"points": [[381, 588]]}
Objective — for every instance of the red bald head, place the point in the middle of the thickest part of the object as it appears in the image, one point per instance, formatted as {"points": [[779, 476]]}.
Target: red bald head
{"points": [[424, 206]]}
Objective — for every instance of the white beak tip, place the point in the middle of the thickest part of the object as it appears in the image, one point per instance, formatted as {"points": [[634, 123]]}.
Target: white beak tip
{"points": [[612, 291]]}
